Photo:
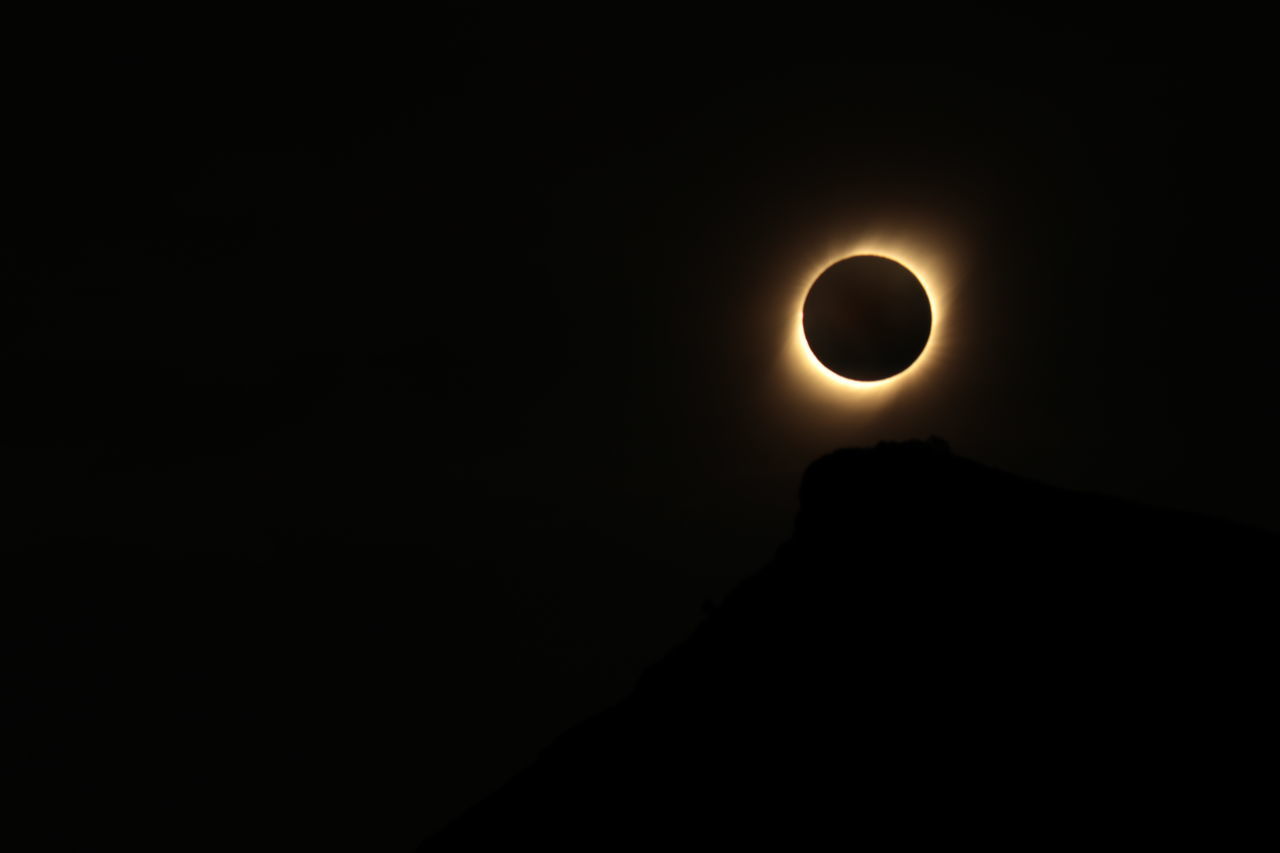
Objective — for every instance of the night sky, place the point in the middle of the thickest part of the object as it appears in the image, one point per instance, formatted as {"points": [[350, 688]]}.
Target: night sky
{"points": [[498, 312]]}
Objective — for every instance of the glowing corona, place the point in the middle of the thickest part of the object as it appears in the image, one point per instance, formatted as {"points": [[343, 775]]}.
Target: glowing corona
{"points": [[930, 267]]}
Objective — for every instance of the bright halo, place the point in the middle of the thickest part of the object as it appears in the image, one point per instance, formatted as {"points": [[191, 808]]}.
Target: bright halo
{"points": [[933, 273]]}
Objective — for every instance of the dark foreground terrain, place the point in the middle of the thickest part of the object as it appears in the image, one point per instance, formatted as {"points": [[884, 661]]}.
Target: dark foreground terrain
{"points": [[942, 653]]}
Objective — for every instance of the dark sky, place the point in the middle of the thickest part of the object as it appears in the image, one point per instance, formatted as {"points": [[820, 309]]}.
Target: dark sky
{"points": [[510, 297]]}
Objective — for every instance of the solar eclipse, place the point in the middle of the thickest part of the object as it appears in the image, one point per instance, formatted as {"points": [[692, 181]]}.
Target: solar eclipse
{"points": [[867, 318]]}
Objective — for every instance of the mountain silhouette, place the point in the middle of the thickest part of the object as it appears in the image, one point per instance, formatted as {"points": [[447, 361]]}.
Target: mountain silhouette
{"points": [[941, 652]]}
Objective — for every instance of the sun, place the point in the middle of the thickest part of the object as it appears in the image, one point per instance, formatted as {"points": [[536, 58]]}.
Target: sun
{"points": [[935, 272]]}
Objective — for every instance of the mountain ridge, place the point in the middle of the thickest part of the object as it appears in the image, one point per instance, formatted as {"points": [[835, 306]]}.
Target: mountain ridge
{"points": [[940, 649]]}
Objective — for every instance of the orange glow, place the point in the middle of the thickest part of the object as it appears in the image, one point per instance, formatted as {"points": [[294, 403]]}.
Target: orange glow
{"points": [[934, 272]]}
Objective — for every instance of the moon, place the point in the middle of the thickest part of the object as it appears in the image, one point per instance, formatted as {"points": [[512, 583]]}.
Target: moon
{"points": [[867, 318]]}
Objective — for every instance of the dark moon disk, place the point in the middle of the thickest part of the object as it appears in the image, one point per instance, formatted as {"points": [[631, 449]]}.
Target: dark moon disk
{"points": [[867, 318]]}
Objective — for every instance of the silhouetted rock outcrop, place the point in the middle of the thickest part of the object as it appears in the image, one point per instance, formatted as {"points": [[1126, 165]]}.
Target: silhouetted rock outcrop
{"points": [[943, 652]]}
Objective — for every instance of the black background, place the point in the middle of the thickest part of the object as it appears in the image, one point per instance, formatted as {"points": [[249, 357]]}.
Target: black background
{"points": [[379, 400]]}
